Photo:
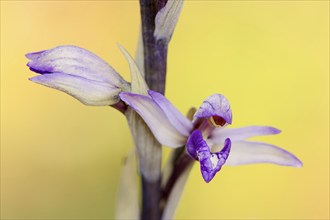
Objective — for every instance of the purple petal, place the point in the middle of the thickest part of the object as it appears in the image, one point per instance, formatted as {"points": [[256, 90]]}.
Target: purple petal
{"points": [[194, 143], [183, 125], [217, 161], [87, 91], [210, 163], [74, 61], [219, 135], [215, 105], [155, 118], [40, 69], [248, 152]]}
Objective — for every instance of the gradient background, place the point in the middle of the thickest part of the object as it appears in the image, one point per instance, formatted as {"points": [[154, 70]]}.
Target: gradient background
{"points": [[61, 159]]}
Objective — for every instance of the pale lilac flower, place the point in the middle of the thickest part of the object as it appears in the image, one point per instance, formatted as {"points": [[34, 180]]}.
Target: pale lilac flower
{"points": [[78, 72], [206, 138]]}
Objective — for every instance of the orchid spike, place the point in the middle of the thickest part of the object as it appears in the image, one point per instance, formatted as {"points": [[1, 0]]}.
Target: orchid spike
{"points": [[206, 138], [79, 73]]}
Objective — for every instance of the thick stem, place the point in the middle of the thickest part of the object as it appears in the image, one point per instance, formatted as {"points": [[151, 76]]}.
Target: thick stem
{"points": [[150, 199], [155, 55], [155, 51]]}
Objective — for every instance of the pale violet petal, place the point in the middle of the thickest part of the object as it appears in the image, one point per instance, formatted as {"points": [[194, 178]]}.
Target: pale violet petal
{"points": [[219, 135], [215, 105], [166, 19], [87, 91], [155, 118], [248, 152], [138, 84], [76, 61], [183, 124]]}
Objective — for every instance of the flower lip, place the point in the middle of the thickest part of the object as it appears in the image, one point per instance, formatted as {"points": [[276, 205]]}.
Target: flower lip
{"points": [[210, 162]]}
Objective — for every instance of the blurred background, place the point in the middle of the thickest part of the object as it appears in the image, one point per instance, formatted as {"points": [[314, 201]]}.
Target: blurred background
{"points": [[61, 159]]}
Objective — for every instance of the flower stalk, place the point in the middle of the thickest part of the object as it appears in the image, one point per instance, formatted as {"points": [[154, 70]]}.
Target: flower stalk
{"points": [[155, 50], [155, 57]]}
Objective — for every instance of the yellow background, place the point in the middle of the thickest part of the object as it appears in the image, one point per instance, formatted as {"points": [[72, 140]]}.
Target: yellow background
{"points": [[61, 159]]}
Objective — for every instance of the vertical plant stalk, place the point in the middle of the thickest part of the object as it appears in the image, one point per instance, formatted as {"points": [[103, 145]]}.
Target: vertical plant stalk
{"points": [[155, 55], [155, 51]]}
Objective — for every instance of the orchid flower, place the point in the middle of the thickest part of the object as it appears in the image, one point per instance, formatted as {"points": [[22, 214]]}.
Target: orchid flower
{"points": [[206, 132], [78, 72]]}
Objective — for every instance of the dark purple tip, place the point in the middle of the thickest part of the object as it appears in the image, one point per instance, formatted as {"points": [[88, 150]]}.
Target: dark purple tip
{"points": [[40, 69], [34, 55]]}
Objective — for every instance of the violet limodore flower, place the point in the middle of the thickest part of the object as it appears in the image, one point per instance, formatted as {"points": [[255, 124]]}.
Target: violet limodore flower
{"points": [[92, 81], [207, 133], [79, 73]]}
